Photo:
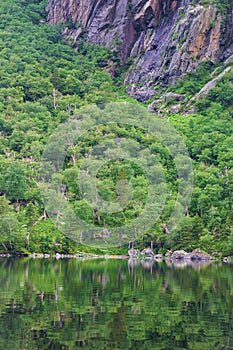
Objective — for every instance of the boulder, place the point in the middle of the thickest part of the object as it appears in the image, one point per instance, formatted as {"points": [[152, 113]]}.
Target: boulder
{"points": [[198, 254], [179, 254], [147, 252], [134, 253], [175, 109], [168, 254], [228, 259]]}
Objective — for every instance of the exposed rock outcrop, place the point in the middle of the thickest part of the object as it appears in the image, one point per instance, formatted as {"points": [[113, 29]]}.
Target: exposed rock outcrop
{"points": [[166, 38], [190, 107], [195, 255], [171, 98]]}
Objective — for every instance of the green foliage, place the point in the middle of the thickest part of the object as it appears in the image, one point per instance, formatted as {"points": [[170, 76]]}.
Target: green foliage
{"points": [[194, 81], [43, 82], [9, 227], [13, 182]]}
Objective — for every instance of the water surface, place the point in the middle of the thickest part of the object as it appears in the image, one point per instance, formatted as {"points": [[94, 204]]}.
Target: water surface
{"points": [[114, 304]]}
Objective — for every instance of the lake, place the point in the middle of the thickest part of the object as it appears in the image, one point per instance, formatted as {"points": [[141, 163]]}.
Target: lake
{"points": [[115, 304]]}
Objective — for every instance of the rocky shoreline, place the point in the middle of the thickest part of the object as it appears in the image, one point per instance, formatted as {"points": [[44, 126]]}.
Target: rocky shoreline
{"points": [[197, 255]]}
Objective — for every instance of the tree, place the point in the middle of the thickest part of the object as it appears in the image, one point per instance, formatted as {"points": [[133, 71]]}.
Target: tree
{"points": [[9, 225], [13, 183]]}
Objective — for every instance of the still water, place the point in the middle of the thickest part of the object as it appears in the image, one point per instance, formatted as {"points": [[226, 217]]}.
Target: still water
{"points": [[114, 304]]}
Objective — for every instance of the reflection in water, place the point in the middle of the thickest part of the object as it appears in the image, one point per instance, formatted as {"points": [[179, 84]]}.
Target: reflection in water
{"points": [[100, 304], [197, 265], [148, 263]]}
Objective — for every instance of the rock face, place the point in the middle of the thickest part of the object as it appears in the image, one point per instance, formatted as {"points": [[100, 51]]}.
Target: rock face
{"points": [[166, 38]]}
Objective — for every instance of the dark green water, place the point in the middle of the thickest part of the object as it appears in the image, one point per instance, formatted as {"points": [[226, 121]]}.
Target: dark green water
{"points": [[100, 304]]}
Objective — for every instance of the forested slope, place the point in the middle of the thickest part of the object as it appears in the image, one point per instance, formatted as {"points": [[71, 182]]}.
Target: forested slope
{"points": [[44, 81]]}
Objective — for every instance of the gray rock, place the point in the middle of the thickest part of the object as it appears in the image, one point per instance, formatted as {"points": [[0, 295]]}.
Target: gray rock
{"points": [[141, 94], [168, 254], [147, 252], [198, 254], [134, 253], [171, 96], [207, 88], [195, 255], [179, 254], [166, 38], [175, 109]]}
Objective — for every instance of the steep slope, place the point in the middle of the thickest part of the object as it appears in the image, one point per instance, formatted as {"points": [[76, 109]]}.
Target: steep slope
{"points": [[44, 82], [166, 39]]}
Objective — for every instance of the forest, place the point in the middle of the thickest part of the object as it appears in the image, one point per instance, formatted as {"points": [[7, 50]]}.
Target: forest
{"points": [[44, 82]]}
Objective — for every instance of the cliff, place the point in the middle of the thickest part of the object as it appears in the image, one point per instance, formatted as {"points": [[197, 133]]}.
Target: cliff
{"points": [[166, 38]]}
